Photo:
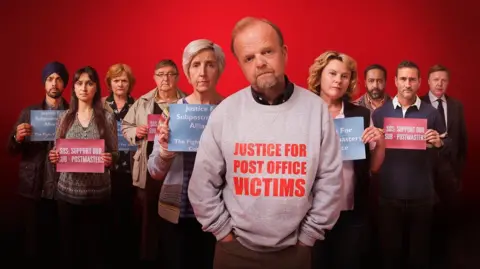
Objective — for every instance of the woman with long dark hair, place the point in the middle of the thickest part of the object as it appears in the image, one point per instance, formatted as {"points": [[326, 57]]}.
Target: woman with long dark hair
{"points": [[83, 197]]}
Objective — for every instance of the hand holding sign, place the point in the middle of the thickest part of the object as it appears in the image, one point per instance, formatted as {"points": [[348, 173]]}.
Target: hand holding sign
{"points": [[163, 133], [107, 158], [372, 134], [23, 129], [53, 156], [141, 131], [433, 138]]}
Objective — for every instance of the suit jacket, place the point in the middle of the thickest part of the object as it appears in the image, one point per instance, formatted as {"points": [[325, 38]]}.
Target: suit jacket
{"points": [[457, 133]]}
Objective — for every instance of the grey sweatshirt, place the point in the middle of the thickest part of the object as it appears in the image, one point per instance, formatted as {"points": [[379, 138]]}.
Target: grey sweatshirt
{"points": [[270, 174]]}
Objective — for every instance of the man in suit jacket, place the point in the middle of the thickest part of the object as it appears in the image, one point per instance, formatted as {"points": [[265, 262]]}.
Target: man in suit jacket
{"points": [[452, 111], [448, 169]]}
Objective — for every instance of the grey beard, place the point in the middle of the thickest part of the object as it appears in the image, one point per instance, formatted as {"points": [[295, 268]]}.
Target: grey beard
{"points": [[376, 96]]}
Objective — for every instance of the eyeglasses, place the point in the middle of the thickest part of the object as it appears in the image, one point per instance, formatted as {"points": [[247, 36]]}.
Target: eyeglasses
{"points": [[168, 75]]}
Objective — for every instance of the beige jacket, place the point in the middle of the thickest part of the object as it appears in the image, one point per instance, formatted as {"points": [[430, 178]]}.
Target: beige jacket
{"points": [[137, 116]]}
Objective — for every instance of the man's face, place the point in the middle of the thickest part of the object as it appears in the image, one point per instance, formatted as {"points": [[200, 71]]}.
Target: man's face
{"points": [[407, 82], [260, 55], [166, 78], [438, 83], [54, 86], [375, 83]]}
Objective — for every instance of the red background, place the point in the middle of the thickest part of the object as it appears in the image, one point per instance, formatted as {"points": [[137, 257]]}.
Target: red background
{"points": [[140, 33]]}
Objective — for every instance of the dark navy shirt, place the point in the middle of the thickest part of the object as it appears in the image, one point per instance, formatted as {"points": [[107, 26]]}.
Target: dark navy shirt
{"points": [[408, 174]]}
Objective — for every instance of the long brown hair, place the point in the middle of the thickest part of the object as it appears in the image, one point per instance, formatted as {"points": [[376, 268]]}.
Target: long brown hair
{"points": [[98, 111]]}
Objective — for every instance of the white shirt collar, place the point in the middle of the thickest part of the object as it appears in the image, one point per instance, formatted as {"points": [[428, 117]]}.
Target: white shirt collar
{"points": [[342, 110], [433, 98], [396, 104]]}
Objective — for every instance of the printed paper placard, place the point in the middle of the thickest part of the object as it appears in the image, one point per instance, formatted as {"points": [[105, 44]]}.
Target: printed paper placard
{"points": [[80, 155], [401, 133], [123, 144], [187, 122], [43, 124], [350, 131], [153, 120]]}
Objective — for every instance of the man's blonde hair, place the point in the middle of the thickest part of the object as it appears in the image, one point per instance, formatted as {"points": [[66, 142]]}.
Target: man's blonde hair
{"points": [[247, 21]]}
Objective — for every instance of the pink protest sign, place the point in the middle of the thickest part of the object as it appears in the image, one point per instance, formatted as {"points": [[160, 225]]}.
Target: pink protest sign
{"points": [[153, 120], [401, 133], [80, 155]]}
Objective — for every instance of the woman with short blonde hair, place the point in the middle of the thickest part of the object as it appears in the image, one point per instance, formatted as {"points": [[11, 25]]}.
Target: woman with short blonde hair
{"points": [[203, 64], [333, 77]]}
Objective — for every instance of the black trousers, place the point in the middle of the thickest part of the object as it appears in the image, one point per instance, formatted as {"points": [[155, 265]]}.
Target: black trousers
{"points": [[345, 246], [84, 234], [39, 222], [404, 233], [447, 241], [124, 239], [184, 245]]}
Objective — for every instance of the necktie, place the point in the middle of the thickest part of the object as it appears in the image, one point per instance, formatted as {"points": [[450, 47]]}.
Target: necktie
{"points": [[442, 111]]}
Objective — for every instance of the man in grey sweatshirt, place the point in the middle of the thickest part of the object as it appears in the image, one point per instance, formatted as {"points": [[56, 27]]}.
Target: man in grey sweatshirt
{"points": [[267, 176]]}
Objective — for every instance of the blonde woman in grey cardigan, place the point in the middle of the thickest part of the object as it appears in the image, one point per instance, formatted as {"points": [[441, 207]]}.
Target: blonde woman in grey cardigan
{"points": [[181, 236]]}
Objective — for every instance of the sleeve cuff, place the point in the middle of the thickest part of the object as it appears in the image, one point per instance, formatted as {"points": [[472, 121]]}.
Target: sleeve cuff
{"points": [[308, 240], [224, 231]]}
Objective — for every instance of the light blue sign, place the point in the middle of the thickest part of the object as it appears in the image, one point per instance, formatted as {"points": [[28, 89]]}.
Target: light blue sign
{"points": [[123, 144], [43, 124], [186, 126], [350, 131]]}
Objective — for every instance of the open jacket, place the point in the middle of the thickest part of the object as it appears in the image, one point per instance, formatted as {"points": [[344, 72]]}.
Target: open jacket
{"points": [[137, 116], [37, 176]]}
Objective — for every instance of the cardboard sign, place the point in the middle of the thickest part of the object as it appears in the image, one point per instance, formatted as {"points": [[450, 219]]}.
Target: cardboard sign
{"points": [[80, 155]]}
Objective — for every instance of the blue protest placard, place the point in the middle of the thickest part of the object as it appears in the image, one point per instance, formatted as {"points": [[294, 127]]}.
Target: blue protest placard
{"points": [[186, 126], [43, 124], [350, 131], [123, 144]]}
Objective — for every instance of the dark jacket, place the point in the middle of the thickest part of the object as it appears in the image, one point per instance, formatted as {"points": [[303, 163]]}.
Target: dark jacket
{"points": [[37, 176], [457, 132], [361, 167], [449, 167]]}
